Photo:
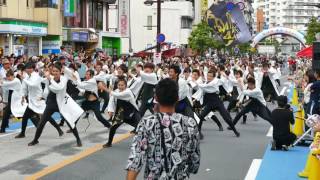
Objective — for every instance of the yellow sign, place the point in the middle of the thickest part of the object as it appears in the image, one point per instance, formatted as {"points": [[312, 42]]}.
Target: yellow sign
{"points": [[204, 7]]}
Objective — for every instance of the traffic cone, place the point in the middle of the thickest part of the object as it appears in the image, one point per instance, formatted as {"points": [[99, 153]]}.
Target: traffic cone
{"points": [[295, 99], [299, 122], [314, 166], [305, 173]]}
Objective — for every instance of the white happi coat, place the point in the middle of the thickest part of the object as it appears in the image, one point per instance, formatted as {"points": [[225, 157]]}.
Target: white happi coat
{"points": [[17, 108], [210, 87], [31, 87], [125, 95], [260, 78], [69, 109]]}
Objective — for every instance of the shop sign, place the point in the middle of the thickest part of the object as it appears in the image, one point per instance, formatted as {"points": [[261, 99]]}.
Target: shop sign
{"points": [[49, 47], [93, 37], [69, 8], [80, 36], [124, 17], [23, 29]]}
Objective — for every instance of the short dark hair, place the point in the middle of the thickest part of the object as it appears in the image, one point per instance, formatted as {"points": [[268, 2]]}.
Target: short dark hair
{"points": [[213, 71], [196, 71], [251, 80], [282, 101], [124, 68], [149, 65], [167, 92], [239, 72], [9, 73], [123, 79], [176, 69], [58, 65], [91, 72], [30, 65]]}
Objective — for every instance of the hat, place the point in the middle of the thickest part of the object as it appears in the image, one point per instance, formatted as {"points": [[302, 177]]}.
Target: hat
{"points": [[5, 61]]}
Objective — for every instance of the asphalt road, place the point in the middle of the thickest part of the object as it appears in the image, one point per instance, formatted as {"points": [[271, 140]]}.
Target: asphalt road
{"points": [[223, 156]]}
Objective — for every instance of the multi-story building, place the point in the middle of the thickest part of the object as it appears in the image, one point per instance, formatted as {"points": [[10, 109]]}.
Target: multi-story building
{"points": [[93, 25], [286, 13], [176, 23], [29, 26]]}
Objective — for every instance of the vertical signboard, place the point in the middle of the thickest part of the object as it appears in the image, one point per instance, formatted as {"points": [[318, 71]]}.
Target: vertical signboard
{"points": [[124, 17], [204, 7], [69, 8]]}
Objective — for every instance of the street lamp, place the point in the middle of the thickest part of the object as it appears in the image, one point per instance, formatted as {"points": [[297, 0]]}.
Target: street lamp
{"points": [[150, 3]]}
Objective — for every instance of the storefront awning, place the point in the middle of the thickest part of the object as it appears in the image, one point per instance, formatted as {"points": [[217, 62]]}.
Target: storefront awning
{"points": [[306, 52]]}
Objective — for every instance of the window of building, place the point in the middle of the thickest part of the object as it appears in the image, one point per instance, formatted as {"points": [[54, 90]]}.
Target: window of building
{"points": [[149, 22], [299, 12], [95, 14], [80, 18], [46, 3], [186, 22], [3, 2]]}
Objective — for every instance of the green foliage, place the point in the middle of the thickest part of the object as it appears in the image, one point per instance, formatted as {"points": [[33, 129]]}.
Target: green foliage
{"points": [[313, 29], [201, 38]]}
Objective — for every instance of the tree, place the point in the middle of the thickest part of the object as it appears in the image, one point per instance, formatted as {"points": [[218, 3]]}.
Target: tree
{"points": [[201, 38], [313, 29]]}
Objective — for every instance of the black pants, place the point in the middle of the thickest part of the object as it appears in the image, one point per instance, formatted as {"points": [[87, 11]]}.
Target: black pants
{"points": [[256, 107], [29, 114], [6, 116], [278, 81], [285, 140], [145, 105], [95, 107], [131, 121], [105, 96], [217, 105], [47, 117], [184, 107]]}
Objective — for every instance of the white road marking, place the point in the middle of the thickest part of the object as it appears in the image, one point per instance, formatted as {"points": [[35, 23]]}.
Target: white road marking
{"points": [[283, 90], [13, 132], [253, 170], [269, 134]]}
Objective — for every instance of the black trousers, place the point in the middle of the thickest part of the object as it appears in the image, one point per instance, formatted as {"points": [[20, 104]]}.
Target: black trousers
{"points": [[131, 121], [256, 107], [6, 116], [47, 116], [145, 105], [95, 107], [105, 96], [29, 114], [217, 105]]}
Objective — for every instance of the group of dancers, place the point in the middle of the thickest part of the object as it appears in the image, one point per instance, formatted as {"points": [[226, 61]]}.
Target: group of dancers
{"points": [[126, 94]]}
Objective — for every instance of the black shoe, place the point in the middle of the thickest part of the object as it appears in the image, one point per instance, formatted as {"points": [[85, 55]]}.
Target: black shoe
{"points": [[32, 143], [237, 133], [87, 116], [20, 136], [79, 143], [201, 136], [61, 124], [273, 145], [69, 131], [107, 145], [220, 128], [2, 131], [229, 128], [61, 133]]}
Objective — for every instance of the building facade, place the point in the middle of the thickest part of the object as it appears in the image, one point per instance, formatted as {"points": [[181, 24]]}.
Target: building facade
{"points": [[27, 26], [285, 13], [177, 18]]}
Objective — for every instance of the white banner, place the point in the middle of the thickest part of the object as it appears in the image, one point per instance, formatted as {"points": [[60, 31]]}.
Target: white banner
{"points": [[124, 17]]}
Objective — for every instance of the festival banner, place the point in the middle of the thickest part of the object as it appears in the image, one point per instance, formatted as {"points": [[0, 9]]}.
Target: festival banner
{"points": [[124, 17], [228, 22]]}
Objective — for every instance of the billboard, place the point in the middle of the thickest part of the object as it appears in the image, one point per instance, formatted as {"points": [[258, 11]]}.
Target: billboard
{"points": [[228, 22], [69, 8]]}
